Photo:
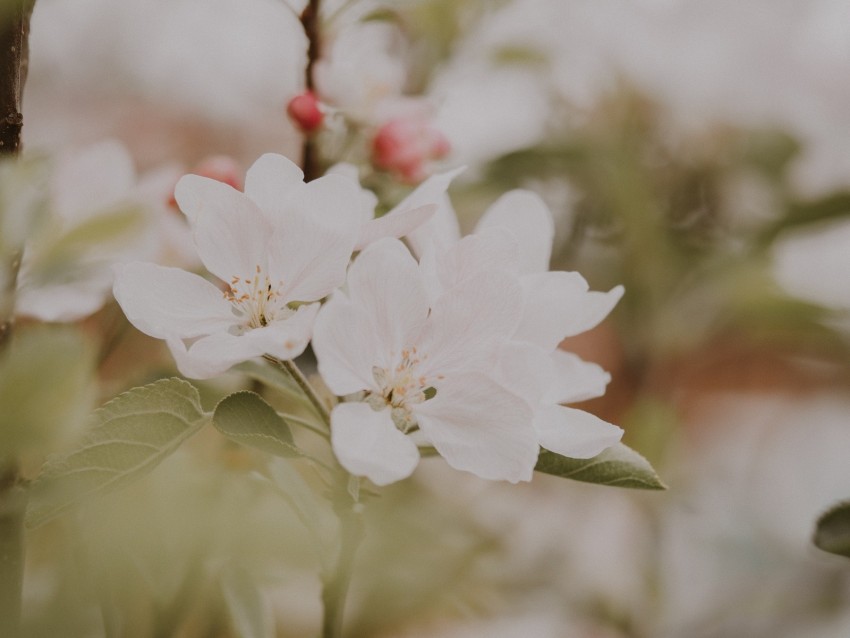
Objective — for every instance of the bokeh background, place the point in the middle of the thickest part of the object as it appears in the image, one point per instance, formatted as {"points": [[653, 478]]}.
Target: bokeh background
{"points": [[695, 151]]}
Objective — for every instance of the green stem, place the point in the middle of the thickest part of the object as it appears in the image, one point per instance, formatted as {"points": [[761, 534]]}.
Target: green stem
{"points": [[335, 588], [307, 389]]}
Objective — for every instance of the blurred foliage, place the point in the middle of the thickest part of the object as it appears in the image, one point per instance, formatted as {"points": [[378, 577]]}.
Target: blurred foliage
{"points": [[832, 533]]}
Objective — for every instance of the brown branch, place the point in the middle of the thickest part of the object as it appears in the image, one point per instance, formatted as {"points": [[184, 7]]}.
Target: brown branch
{"points": [[14, 59], [310, 21]]}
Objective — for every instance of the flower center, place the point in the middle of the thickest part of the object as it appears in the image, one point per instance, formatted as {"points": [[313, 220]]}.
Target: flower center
{"points": [[402, 387], [256, 300]]}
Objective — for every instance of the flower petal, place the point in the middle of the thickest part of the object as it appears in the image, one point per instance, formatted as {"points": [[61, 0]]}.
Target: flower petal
{"points": [[442, 229], [212, 355], [169, 302], [385, 281], [396, 225], [346, 346], [558, 305], [575, 379], [63, 302], [527, 218], [229, 230], [526, 369], [574, 433], [467, 322], [367, 443], [311, 249], [286, 338], [271, 181], [479, 427], [92, 179]]}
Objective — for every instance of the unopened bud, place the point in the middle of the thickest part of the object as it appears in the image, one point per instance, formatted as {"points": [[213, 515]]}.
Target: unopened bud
{"points": [[406, 146], [305, 112]]}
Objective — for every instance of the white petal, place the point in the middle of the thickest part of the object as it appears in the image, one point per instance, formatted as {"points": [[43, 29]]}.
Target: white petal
{"points": [[286, 338], [385, 281], [64, 302], [169, 302], [479, 427], [396, 225], [575, 379], [212, 355], [367, 443], [271, 181], [442, 229], [229, 230], [558, 305], [467, 322], [368, 199], [311, 250], [346, 346], [92, 179], [525, 369], [574, 433], [527, 218], [473, 255]]}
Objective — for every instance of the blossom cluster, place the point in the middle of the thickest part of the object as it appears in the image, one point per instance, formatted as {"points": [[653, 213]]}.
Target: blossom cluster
{"points": [[443, 342]]}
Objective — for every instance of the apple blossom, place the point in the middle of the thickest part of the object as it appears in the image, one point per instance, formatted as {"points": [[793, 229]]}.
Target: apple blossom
{"points": [[516, 234], [86, 185], [425, 370], [278, 248]]}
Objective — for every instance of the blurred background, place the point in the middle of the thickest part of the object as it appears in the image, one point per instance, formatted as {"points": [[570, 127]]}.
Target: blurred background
{"points": [[695, 151]]}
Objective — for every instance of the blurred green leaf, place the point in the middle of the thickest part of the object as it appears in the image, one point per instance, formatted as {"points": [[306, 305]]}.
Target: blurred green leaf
{"points": [[248, 614], [619, 465], [130, 436], [832, 531], [246, 418], [831, 207], [46, 387], [66, 253]]}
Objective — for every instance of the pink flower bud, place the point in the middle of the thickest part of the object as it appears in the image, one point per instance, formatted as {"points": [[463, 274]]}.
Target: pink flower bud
{"points": [[305, 112], [405, 146]]}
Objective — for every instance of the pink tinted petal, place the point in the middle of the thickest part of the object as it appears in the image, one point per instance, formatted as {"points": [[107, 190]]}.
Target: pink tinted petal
{"points": [[169, 302], [230, 232], [528, 220], [553, 306], [479, 427], [212, 355], [468, 322], [574, 433], [574, 379], [384, 280], [367, 443], [271, 181], [285, 338], [346, 346], [396, 225]]}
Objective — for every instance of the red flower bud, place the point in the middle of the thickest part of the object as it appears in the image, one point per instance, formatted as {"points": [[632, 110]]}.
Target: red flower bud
{"points": [[305, 112]]}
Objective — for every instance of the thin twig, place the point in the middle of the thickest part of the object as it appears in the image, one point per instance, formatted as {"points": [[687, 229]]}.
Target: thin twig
{"points": [[310, 21]]}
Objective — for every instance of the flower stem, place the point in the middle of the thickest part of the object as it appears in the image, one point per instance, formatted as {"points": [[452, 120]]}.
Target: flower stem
{"points": [[335, 588], [13, 500], [307, 389]]}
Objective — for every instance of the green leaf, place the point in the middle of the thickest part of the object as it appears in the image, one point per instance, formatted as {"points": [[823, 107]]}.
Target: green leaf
{"points": [[832, 531], [130, 436], [618, 465], [46, 388], [246, 418], [249, 616]]}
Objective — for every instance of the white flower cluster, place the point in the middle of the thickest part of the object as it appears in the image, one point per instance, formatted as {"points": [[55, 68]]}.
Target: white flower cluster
{"points": [[451, 345]]}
